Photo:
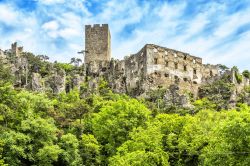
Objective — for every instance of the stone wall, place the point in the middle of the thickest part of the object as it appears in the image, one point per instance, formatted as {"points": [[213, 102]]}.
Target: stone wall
{"points": [[97, 43], [151, 68], [166, 66], [135, 72], [154, 67]]}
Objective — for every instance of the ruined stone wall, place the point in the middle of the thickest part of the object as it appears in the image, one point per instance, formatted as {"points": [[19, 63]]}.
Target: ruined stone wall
{"points": [[116, 76], [210, 72], [21, 71], [97, 43], [135, 72], [239, 86], [166, 66], [151, 68]]}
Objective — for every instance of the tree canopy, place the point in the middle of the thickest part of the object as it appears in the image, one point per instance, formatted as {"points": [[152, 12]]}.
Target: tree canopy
{"points": [[104, 128]]}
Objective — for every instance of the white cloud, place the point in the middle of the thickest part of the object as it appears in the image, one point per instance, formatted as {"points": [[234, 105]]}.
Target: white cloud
{"points": [[68, 33], [8, 15], [51, 2], [50, 26]]}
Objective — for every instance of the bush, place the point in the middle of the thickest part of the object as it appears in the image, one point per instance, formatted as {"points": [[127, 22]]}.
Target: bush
{"points": [[246, 74]]}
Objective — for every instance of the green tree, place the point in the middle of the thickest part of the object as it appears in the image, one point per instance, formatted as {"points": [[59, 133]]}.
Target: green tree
{"points": [[5, 73], [79, 112], [171, 126], [26, 144], [144, 148], [90, 150], [16, 146], [204, 104], [70, 154], [219, 92], [231, 142], [246, 73], [48, 155], [1, 154], [119, 117]]}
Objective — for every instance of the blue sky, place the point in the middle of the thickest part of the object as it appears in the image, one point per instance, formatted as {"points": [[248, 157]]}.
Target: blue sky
{"points": [[216, 30]]}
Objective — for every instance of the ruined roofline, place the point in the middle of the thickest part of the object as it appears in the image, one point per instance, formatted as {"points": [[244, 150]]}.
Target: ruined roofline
{"points": [[208, 64], [165, 48]]}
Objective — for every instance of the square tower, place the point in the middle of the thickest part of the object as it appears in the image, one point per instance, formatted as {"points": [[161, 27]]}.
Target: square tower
{"points": [[97, 43], [16, 50]]}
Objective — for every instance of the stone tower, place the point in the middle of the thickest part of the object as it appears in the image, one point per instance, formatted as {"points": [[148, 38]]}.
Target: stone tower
{"points": [[16, 50], [97, 43]]}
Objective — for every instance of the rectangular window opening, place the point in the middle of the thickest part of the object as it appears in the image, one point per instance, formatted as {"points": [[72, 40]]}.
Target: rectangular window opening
{"points": [[185, 68], [176, 66], [195, 71], [155, 61]]}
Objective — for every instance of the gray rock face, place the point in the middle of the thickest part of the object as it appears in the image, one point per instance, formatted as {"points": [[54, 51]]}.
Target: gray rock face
{"points": [[20, 68], [172, 97], [2, 55], [233, 99], [57, 82], [36, 82], [77, 80]]}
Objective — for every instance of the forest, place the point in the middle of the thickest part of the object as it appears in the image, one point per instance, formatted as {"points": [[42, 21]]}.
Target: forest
{"points": [[106, 128]]}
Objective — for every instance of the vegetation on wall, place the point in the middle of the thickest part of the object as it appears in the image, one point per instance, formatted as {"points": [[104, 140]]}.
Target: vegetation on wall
{"points": [[246, 74]]}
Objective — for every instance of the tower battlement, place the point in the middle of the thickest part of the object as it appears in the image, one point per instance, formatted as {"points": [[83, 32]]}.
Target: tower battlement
{"points": [[96, 26]]}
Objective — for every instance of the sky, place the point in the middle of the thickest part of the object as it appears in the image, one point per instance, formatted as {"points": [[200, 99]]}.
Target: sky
{"points": [[216, 30]]}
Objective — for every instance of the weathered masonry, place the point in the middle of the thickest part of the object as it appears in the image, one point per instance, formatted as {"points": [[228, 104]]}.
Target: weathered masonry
{"points": [[152, 67], [97, 43]]}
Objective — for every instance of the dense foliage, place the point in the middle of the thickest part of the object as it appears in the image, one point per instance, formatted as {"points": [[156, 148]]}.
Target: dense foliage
{"points": [[103, 128], [115, 129]]}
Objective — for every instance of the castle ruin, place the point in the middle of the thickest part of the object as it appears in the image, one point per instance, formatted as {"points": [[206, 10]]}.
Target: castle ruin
{"points": [[152, 67]]}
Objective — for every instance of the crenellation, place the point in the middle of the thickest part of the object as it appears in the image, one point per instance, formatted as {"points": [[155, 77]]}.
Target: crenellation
{"points": [[96, 26]]}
